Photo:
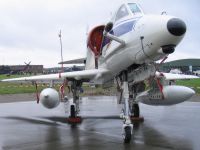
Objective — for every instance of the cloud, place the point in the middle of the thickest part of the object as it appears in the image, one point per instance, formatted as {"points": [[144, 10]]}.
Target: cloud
{"points": [[29, 29]]}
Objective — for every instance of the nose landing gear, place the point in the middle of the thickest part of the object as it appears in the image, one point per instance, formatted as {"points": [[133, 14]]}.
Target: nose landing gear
{"points": [[131, 111], [127, 127]]}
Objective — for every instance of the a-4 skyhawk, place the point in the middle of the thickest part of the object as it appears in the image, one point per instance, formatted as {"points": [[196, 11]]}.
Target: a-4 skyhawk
{"points": [[125, 49]]}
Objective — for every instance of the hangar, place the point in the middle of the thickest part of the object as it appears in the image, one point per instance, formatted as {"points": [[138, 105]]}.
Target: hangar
{"points": [[185, 65]]}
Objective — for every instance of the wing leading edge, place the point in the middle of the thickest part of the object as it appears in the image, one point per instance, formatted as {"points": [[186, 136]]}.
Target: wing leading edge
{"points": [[170, 76]]}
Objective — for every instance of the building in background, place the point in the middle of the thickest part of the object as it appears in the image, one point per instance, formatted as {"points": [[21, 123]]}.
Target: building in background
{"points": [[21, 69]]}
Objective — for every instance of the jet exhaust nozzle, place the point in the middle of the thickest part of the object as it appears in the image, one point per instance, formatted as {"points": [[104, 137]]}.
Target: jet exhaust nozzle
{"points": [[176, 27]]}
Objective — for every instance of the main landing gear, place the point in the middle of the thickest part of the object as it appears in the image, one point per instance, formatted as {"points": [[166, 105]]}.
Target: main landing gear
{"points": [[74, 108], [135, 109], [135, 113]]}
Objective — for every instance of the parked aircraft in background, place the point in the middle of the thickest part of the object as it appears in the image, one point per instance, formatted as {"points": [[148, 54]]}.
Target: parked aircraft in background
{"points": [[175, 71], [125, 49]]}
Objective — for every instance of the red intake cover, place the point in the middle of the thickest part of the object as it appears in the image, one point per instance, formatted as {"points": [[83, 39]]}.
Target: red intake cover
{"points": [[95, 39]]}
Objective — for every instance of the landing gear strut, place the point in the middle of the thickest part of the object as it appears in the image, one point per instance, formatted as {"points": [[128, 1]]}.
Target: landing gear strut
{"points": [[127, 127], [74, 108]]}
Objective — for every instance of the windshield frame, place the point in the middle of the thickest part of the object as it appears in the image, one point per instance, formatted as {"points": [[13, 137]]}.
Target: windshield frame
{"points": [[117, 17], [138, 9]]}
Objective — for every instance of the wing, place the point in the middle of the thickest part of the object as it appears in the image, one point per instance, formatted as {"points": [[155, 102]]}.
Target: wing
{"points": [[171, 76], [78, 75], [74, 61]]}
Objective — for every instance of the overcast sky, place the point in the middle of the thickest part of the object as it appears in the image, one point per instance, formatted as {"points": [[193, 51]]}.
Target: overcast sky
{"points": [[29, 28]]}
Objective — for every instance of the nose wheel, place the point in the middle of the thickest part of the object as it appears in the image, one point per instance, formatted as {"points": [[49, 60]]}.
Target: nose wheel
{"points": [[127, 134]]}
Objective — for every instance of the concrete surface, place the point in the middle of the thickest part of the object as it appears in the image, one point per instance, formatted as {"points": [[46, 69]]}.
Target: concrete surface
{"points": [[29, 126], [10, 98]]}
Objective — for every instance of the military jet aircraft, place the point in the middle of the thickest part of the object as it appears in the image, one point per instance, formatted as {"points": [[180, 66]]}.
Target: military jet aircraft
{"points": [[125, 49]]}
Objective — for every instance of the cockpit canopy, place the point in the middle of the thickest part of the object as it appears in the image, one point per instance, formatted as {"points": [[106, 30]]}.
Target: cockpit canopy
{"points": [[134, 8], [128, 10]]}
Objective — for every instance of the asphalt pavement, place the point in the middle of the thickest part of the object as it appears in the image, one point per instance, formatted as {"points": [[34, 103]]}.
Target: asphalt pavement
{"points": [[30, 126]]}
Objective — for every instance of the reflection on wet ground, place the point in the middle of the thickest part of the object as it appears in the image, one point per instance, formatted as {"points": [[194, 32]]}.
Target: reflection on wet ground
{"points": [[26, 125]]}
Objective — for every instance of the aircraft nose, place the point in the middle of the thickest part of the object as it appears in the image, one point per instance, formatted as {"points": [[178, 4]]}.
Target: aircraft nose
{"points": [[176, 26]]}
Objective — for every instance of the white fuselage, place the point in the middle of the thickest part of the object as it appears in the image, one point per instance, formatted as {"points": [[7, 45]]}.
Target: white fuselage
{"points": [[153, 29]]}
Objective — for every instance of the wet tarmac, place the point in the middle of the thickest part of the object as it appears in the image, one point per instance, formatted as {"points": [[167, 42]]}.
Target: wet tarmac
{"points": [[28, 126]]}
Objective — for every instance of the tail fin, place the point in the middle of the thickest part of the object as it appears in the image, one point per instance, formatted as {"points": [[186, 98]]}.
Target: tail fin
{"points": [[90, 60]]}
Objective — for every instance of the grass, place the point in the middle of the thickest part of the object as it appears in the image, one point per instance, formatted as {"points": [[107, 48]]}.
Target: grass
{"points": [[193, 83], [27, 87], [16, 88], [9, 76]]}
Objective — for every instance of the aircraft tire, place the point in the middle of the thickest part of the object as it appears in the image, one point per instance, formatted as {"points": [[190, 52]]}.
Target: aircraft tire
{"points": [[127, 134], [136, 110], [72, 111]]}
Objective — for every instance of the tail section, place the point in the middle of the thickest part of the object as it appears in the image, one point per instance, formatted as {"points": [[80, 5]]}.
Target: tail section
{"points": [[94, 47], [90, 60]]}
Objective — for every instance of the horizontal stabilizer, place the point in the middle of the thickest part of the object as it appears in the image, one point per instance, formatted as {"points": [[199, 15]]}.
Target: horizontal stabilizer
{"points": [[74, 61]]}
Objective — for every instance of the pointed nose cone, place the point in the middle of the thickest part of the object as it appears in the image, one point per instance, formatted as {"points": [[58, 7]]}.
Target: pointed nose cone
{"points": [[176, 27], [175, 94], [185, 93]]}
